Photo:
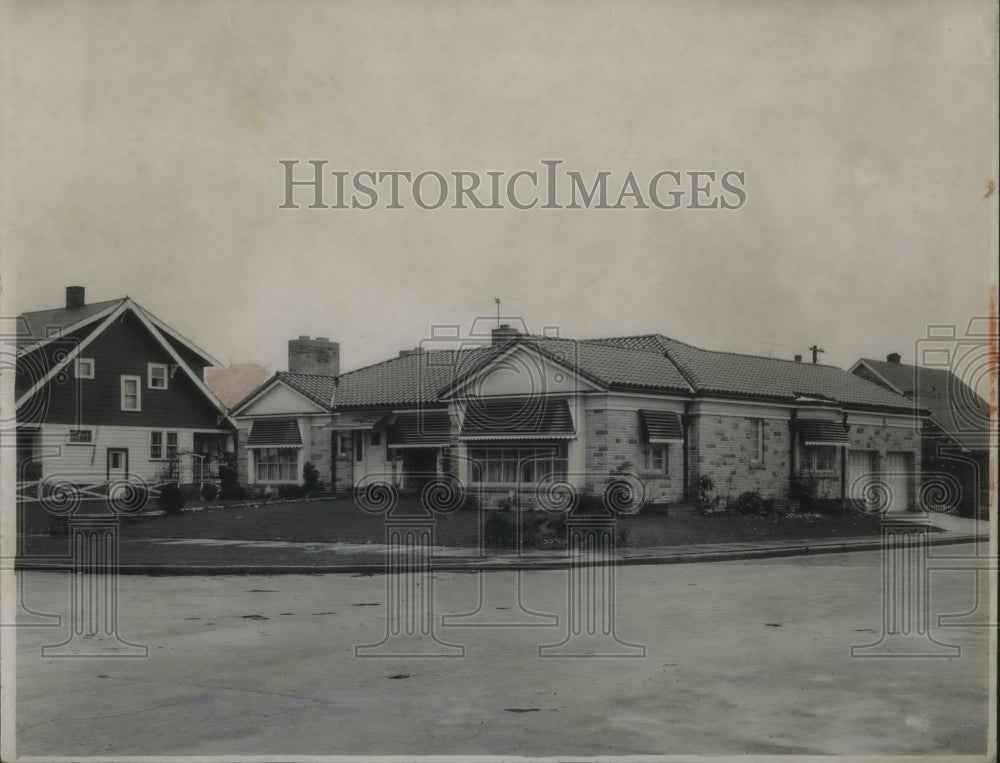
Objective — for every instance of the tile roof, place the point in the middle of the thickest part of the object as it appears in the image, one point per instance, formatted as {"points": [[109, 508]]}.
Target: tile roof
{"points": [[954, 406], [650, 362], [754, 376]]}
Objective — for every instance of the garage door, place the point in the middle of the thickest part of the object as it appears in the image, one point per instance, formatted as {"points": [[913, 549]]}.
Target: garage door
{"points": [[862, 466], [898, 468]]}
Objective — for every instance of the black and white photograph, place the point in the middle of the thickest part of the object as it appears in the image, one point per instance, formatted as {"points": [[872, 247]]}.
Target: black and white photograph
{"points": [[498, 381]]}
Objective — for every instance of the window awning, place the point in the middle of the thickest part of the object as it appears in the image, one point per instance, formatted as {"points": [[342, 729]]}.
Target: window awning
{"points": [[275, 433], [816, 432], [420, 429], [661, 427], [530, 418], [348, 423]]}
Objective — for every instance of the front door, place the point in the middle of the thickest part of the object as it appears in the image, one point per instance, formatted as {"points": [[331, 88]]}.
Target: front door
{"points": [[117, 464]]}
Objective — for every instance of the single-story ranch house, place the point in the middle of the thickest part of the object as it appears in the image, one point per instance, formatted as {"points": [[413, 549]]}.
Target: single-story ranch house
{"points": [[520, 410]]}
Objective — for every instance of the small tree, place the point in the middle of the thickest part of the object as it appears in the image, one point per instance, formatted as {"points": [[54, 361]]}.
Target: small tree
{"points": [[311, 482]]}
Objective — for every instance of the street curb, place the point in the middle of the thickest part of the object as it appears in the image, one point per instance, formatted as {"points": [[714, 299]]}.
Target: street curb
{"points": [[491, 565]]}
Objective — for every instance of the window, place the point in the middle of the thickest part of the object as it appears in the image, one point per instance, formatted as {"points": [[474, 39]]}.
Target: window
{"points": [[277, 464], [156, 441], [131, 397], [376, 438], [157, 376], [819, 458], [501, 464], [81, 436], [171, 445], [344, 444], [756, 441], [657, 459], [84, 368]]}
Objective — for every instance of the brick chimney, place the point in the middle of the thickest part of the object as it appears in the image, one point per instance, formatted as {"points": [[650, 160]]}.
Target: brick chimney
{"points": [[75, 297], [317, 356], [798, 358], [893, 357], [502, 334]]}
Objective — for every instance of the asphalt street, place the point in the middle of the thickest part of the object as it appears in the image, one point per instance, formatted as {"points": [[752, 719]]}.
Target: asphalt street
{"points": [[735, 657]]}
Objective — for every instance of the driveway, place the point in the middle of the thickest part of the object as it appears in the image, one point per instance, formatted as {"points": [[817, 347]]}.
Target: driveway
{"points": [[740, 657]]}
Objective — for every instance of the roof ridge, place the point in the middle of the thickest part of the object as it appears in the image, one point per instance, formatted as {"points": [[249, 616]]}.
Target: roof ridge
{"points": [[69, 309]]}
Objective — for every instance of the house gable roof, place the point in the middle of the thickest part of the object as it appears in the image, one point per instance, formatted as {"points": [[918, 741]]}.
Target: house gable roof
{"points": [[953, 405], [74, 323]]}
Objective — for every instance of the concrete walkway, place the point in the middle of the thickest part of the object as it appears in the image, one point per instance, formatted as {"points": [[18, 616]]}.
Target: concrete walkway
{"points": [[200, 556]]}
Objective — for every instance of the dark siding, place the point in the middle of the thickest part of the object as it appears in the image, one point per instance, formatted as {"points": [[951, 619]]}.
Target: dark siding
{"points": [[124, 349]]}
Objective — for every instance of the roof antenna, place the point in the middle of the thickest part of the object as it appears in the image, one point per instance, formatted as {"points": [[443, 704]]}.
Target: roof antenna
{"points": [[497, 300], [815, 351]]}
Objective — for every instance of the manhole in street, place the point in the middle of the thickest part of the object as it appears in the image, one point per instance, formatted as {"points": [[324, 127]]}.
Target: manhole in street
{"points": [[398, 676], [367, 604], [773, 625], [520, 709], [255, 617]]}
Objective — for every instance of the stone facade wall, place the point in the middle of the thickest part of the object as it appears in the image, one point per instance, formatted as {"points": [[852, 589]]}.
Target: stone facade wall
{"points": [[722, 447], [614, 438], [242, 456], [321, 451]]}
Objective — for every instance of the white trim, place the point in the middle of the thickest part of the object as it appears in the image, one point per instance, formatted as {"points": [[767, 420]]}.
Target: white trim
{"points": [[138, 392], [889, 384], [150, 367], [583, 384], [269, 446], [666, 440], [72, 327], [140, 314], [419, 445], [183, 340], [71, 356], [93, 368], [267, 387]]}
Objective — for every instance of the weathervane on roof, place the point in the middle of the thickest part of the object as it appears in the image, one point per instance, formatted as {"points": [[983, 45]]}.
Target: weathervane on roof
{"points": [[815, 349]]}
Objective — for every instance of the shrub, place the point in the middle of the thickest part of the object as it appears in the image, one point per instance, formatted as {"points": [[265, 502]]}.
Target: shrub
{"points": [[805, 490], [231, 490], [311, 482], [589, 503], [500, 530], [623, 532], [748, 502], [470, 502], [172, 499], [540, 530], [209, 491], [701, 495], [506, 503], [290, 491]]}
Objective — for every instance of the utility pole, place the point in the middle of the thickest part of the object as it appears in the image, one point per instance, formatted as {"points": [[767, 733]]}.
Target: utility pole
{"points": [[815, 351], [497, 300]]}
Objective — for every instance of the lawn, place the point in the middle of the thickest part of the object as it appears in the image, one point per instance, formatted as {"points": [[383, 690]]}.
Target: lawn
{"points": [[340, 520]]}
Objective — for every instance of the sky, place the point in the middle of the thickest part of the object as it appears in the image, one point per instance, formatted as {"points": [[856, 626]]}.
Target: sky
{"points": [[142, 141]]}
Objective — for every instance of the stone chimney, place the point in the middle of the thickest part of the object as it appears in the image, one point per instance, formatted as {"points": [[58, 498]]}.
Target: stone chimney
{"points": [[798, 358], [75, 297], [317, 356], [503, 334], [893, 357]]}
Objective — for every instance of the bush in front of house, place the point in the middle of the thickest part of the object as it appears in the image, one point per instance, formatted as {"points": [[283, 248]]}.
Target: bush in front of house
{"points": [[311, 482], [805, 490], [701, 495], [291, 492], [748, 502], [589, 503], [230, 488], [172, 499], [209, 491], [500, 530]]}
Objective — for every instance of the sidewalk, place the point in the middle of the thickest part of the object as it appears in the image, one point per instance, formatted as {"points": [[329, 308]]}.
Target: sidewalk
{"points": [[226, 557]]}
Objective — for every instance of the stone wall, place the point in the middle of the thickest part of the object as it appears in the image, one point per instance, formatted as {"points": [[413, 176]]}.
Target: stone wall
{"points": [[614, 438], [722, 448]]}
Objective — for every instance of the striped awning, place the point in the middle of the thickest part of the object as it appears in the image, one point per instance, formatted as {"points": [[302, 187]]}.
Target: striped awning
{"points": [[347, 423], [817, 432], [661, 427], [275, 433], [529, 418], [420, 429]]}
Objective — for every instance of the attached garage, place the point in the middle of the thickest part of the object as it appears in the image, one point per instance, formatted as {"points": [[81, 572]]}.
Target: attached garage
{"points": [[862, 473]]}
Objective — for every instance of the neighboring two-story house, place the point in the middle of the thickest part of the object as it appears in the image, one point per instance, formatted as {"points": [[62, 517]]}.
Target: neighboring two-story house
{"points": [[519, 412], [107, 392], [955, 435]]}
